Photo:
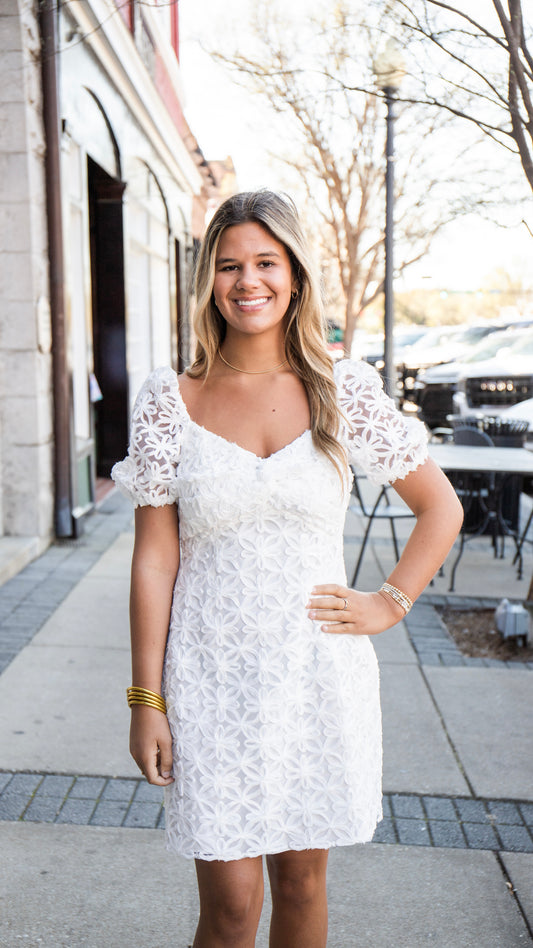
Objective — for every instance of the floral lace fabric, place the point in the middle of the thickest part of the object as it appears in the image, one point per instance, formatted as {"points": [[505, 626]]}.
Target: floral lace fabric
{"points": [[276, 724]]}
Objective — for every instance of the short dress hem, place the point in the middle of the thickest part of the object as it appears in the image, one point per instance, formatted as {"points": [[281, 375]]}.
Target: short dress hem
{"points": [[348, 840]]}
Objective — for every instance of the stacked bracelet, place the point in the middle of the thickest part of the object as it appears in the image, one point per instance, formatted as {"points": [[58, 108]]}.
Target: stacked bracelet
{"points": [[398, 596], [143, 696]]}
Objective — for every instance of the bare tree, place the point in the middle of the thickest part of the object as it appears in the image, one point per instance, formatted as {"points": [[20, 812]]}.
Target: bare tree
{"points": [[477, 67], [333, 131], [496, 56]]}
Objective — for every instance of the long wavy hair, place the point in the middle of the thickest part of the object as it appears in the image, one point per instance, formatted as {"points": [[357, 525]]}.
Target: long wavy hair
{"points": [[305, 336]]}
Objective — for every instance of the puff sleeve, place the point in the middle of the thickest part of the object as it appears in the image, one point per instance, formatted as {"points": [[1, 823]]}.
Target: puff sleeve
{"points": [[148, 474], [379, 440]]}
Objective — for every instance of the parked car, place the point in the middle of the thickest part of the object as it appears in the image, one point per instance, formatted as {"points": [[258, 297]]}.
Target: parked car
{"points": [[442, 344], [367, 346], [435, 387], [371, 347], [499, 383]]}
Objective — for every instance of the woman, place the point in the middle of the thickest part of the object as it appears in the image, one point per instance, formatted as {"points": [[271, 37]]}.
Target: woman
{"points": [[271, 741]]}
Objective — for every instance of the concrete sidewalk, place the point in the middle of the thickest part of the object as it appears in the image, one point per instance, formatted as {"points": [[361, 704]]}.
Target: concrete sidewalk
{"points": [[83, 862]]}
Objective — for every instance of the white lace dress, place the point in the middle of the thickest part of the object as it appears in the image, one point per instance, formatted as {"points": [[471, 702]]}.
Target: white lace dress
{"points": [[276, 724]]}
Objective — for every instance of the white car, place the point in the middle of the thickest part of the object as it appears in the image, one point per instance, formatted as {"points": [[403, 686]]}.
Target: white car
{"points": [[441, 344], [435, 387], [499, 383]]}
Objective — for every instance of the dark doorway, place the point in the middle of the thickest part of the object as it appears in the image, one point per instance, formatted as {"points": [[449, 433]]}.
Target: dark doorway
{"points": [[108, 317]]}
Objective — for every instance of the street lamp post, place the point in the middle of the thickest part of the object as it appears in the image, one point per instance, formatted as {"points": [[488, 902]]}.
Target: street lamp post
{"points": [[389, 71]]}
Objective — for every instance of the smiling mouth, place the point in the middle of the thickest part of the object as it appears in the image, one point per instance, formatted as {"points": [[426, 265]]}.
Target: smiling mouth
{"points": [[253, 303]]}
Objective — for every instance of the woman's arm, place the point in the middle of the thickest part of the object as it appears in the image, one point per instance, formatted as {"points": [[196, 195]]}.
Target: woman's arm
{"points": [[153, 574], [439, 515]]}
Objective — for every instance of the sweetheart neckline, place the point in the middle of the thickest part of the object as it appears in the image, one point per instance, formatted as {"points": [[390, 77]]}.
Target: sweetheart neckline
{"points": [[235, 444]]}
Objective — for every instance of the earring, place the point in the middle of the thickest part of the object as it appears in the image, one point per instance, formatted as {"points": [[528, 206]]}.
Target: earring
{"points": [[294, 294]]}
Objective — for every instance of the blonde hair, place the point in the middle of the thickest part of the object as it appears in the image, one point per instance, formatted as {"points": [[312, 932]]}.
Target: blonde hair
{"points": [[305, 338]]}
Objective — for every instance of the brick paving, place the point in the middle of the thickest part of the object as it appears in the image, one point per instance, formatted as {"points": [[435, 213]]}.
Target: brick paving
{"points": [[433, 643], [410, 819]]}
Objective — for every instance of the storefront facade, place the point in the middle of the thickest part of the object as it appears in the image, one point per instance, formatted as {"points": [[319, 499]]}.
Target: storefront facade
{"points": [[133, 198]]}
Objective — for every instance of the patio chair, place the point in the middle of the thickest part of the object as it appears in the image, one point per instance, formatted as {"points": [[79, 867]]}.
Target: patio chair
{"points": [[380, 509], [521, 539], [468, 435], [474, 492]]}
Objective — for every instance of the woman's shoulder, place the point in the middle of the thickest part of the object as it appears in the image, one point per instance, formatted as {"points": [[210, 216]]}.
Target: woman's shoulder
{"points": [[161, 380], [160, 392], [351, 373]]}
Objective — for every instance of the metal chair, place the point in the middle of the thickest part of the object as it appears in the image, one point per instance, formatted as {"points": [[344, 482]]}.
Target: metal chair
{"points": [[520, 540], [380, 509], [474, 491], [468, 435]]}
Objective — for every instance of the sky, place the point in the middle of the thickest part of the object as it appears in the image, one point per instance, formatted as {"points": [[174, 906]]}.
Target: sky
{"points": [[228, 120]]}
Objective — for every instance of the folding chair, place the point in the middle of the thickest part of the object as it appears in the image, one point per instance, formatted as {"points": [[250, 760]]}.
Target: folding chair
{"points": [[474, 491], [520, 540]]}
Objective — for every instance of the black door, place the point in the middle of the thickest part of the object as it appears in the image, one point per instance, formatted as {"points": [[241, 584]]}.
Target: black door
{"points": [[108, 317]]}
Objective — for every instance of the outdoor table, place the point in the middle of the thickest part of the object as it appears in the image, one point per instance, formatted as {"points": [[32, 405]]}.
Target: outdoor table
{"points": [[496, 465]]}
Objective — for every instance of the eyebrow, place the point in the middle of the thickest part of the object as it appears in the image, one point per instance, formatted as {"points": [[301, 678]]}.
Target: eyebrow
{"points": [[263, 253]]}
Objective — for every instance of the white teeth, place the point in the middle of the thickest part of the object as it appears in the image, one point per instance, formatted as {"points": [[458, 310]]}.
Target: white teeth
{"points": [[257, 302]]}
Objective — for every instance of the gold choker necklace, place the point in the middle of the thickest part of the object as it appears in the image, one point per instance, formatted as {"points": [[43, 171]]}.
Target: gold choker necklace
{"points": [[247, 371]]}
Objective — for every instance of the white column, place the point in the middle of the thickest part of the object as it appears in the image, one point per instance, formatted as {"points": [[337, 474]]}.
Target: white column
{"points": [[26, 437]]}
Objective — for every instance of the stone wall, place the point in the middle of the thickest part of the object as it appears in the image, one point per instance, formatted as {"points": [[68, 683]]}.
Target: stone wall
{"points": [[26, 435]]}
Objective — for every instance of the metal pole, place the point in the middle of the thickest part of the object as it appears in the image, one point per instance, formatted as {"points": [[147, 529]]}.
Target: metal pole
{"points": [[388, 356], [62, 479]]}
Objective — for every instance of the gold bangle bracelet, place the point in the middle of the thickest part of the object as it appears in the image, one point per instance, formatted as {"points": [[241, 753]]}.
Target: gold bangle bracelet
{"points": [[148, 703], [158, 706], [398, 596], [136, 692], [144, 696]]}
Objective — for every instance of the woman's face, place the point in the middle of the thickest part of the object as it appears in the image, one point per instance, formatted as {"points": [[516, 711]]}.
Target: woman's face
{"points": [[253, 279]]}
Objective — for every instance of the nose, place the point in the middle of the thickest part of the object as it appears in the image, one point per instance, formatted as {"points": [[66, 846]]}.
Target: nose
{"points": [[248, 277]]}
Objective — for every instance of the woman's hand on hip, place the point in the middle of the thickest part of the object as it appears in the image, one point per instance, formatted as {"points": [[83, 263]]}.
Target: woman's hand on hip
{"points": [[151, 744], [347, 612]]}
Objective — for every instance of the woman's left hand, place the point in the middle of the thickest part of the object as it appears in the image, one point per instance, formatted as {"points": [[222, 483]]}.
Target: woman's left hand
{"points": [[348, 612]]}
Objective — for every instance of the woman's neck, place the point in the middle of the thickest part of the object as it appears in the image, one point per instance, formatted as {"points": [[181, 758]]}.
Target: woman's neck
{"points": [[252, 354]]}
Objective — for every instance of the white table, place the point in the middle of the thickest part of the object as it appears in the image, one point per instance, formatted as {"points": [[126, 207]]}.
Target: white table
{"points": [[475, 459], [470, 464]]}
